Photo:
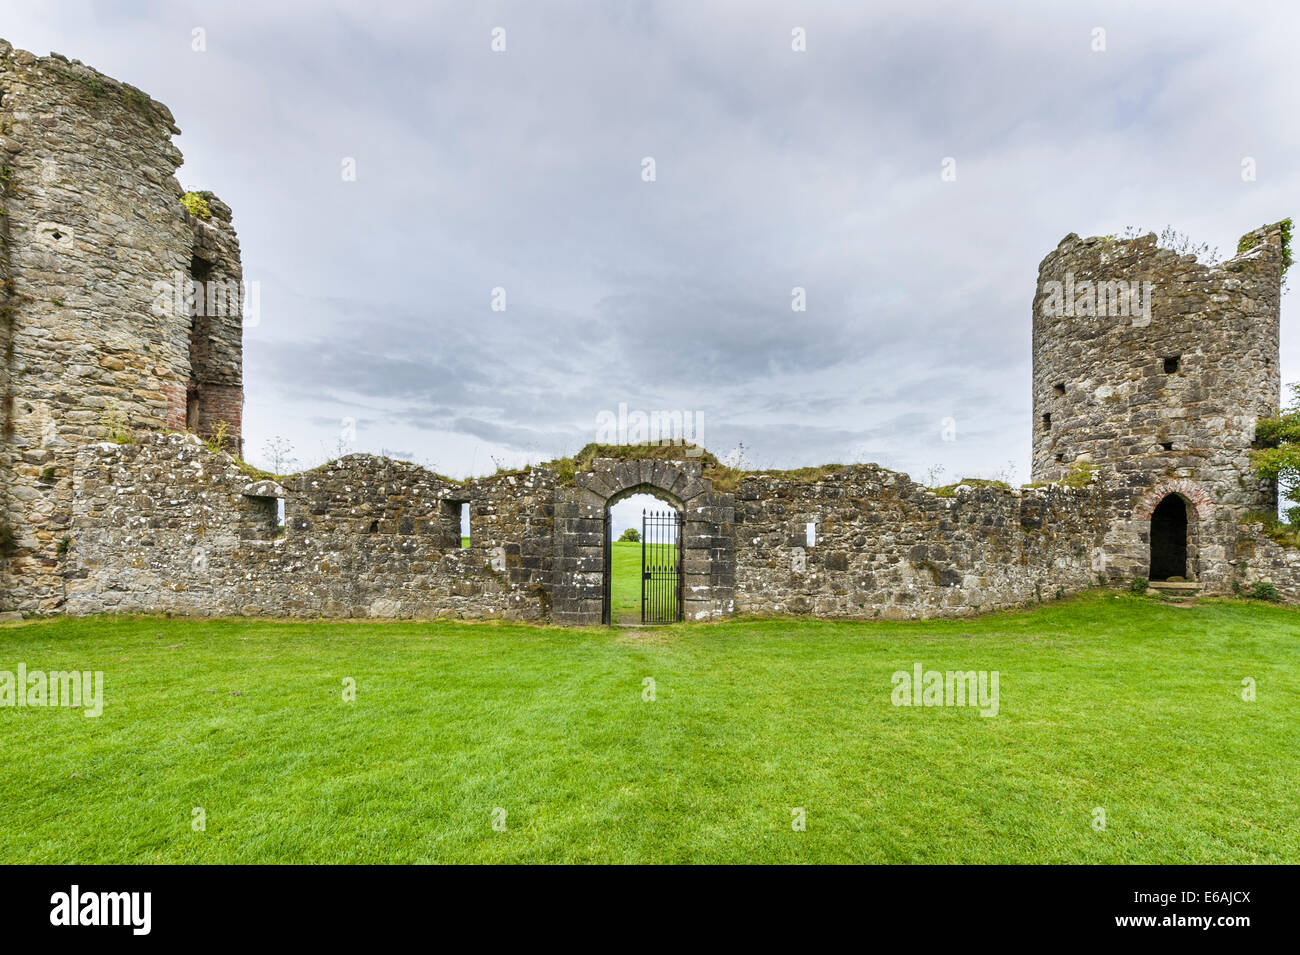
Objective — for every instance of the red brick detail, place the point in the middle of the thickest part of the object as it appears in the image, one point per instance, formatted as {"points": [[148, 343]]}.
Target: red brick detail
{"points": [[175, 405], [1190, 491], [222, 403]]}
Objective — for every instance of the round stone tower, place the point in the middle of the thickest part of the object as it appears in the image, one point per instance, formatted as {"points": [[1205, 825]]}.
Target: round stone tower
{"points": [[1152, 370], [120, 308]]}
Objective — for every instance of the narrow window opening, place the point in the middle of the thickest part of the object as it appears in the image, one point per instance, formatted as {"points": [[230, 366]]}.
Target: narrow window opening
{"points": [[1047, 422], [374, 528], [200, 349], [1172, 364], [452, 525], [1059, 387], [1060, 459], [810, 533], [1167, 445]]}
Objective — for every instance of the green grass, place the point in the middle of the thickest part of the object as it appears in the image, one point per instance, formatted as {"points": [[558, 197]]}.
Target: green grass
{"points": [[1107, 700], [625, 580]]}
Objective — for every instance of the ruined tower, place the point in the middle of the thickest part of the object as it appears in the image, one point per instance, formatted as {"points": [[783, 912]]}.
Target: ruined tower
{"points": [[1153, 369], [98, 337]]}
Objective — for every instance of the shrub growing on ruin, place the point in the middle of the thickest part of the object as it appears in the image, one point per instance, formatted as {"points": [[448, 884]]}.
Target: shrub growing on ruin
{"points": [[196, 204], [1179, 242], [1080, 474], [218, 439], [1265, 591], [1248, 242]]}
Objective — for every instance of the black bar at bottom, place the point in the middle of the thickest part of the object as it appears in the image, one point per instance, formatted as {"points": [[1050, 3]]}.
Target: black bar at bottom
{"points": [[996, 904]]}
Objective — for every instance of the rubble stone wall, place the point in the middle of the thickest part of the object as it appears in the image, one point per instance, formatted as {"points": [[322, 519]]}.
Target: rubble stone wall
{"points": [[164, 525], [881, 545], [93, 229]]}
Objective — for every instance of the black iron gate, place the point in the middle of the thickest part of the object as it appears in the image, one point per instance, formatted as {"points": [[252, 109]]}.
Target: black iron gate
{"points": [[607, 580], [661, 567]]}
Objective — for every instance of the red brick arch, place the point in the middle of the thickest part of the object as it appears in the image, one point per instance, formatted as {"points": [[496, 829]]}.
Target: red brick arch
{"points": [[1202, 508]]}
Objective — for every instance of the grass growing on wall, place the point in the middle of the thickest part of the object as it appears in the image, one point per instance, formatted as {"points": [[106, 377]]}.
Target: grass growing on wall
{"points": [[1110, 701]]}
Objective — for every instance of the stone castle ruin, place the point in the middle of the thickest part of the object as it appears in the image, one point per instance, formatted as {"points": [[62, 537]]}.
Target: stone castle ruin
{"points": [[1150, 372]]}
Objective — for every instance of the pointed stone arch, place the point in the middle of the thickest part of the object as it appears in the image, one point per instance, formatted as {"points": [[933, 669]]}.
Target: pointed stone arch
{"points": [[1173, 512], [1200, 506]]}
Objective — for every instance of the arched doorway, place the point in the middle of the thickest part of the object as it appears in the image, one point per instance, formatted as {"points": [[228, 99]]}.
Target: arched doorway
{"points": [[1169, 538], [643, 559], [707, 559]]}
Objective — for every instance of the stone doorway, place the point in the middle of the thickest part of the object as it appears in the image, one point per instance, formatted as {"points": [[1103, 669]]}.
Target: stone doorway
{"points": [[1169, 539], [643, 560], [707, 549]]}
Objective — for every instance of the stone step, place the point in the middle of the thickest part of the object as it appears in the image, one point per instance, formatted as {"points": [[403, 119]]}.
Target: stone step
{"points": [[1175, 588]]}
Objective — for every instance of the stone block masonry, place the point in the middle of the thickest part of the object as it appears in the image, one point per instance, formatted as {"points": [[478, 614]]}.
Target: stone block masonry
{"points": [[164, 525]]}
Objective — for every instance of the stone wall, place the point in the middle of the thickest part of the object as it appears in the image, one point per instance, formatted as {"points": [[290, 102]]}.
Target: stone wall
{"points": [[1256, 559], [884, 546], [164, 525], [214, 392], [94, 229]]}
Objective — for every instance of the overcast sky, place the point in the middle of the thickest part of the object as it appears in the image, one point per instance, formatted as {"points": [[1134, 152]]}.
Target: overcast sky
{"points": [[774, 169]]}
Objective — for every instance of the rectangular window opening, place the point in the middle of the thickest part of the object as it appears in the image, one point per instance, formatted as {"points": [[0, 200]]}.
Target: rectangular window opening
{"points": [[1047, 422], [1172, 364], [810, 533], [260, 517], [1059, 387], [464, 525], [1167, 445]]}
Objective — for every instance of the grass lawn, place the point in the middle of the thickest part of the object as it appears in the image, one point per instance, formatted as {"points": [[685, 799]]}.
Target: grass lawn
{"points": [[625, 580], [1110, 701]]}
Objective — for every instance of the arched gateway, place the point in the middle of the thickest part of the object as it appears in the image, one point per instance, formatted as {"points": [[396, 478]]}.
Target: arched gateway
{"points": [[1175, 509], [707, 550]]}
